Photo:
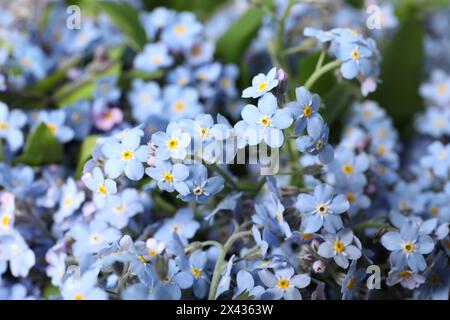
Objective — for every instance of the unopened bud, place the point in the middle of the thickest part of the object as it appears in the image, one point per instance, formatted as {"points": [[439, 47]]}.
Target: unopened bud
{"points": [[319, 266]]}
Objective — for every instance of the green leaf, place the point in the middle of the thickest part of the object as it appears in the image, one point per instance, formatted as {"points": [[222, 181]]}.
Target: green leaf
{"points": [[73, 92], [401, 73], [41, 148], [85, 153], [232, 44], [126, 18], [50, 291]]}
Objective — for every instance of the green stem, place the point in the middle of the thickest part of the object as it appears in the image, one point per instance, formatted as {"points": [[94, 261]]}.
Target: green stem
{"points": [[220, 260], [258, 188], [198, 245], [320, 72], [320, 61], [280, 35]]}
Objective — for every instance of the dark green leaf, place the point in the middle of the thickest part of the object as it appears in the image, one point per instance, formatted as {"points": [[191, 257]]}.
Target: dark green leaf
{"points": [[233, 43], [401, 73], [41, 148], [85, 153], [126, 18]]}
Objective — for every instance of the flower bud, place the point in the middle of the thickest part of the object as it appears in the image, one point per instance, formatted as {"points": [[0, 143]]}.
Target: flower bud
{"points": [[319, 266]]}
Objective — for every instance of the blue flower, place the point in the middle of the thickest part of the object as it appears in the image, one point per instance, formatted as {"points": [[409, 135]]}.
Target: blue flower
{"points": [[155, 56], [145, 100], [11, 123], [438, 159], [92, 237], [322, 209], [118, 214], [82, 287], [70, 201], [349, 167], [106, 89], [437, 90], [338, 246], [194, 268], [55, 122], [261, 84], [78, 117], [356, 60], [437, 281], [170, 177], [172, 143], [408, 247], [183, 102], [246, 283], [201, 188], [181, 33], [283, 284], [408, 279], [183, 224], [306, 107], [265, 122], [316, 142], [126, 156], [15, 249], [350, 284], [104, 189]]}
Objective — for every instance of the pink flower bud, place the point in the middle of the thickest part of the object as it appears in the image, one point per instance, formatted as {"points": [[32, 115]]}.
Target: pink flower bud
{"points": [[319, 267]]}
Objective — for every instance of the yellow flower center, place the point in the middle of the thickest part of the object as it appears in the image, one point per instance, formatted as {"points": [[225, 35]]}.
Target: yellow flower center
{"points": [[433, 280], [307, 236], [67, 201], [408, 247], [127, 155], [3, 125], [204, 132], [179, 106], [156, 60], [176, 228], [167, 177], [350, 197], [350, 283], [180, 29], [142, 259], [102, 190], [120, 209], [262, 86], [439, 123], [347, 169], [265, 121], [152, 253], [96, 238], [381, 151], [307, 111], [405, 275], [5, 220], [225, 83], [338, 246], [442, 89], [278, 215], [78, 296], [26, 63], [196, 272], [172, 144], [283, 283], [434, 211], [355, 54], [52, 127]]}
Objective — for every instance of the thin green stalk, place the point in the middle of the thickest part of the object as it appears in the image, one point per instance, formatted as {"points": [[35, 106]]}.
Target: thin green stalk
{"points": [[320, 72], [220, 261], [198, 245]]}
